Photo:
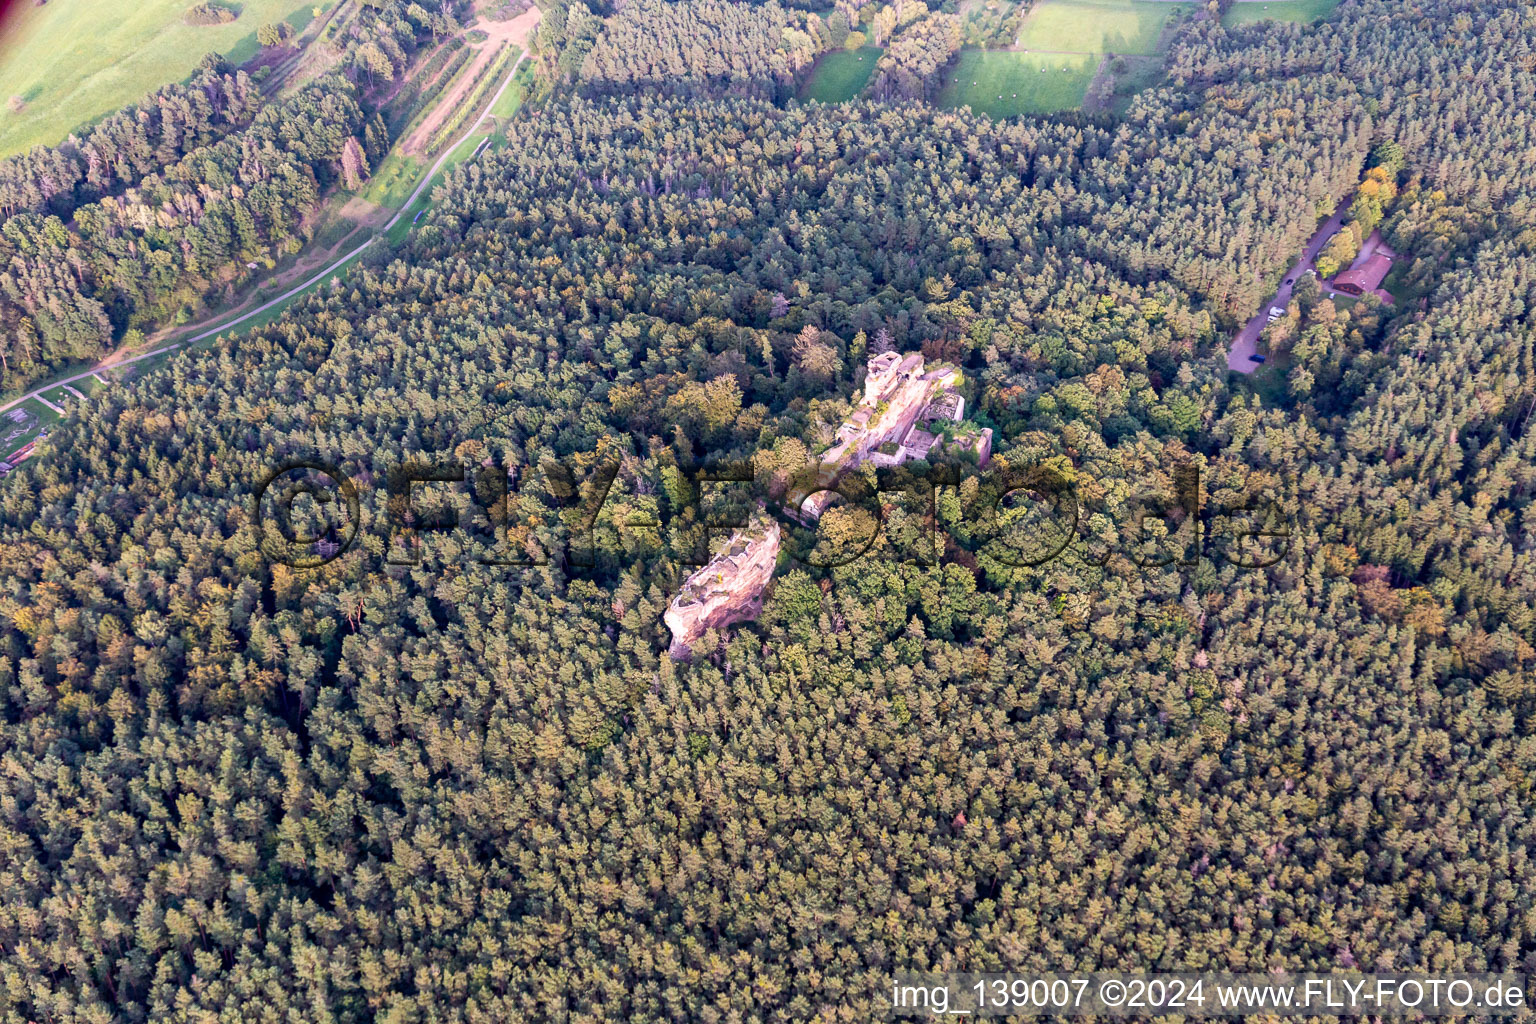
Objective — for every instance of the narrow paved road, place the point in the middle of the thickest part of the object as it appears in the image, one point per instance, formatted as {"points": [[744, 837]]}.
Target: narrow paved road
{"points": [[1246, 345], [449, 151], [38, 394], [110, 363]]}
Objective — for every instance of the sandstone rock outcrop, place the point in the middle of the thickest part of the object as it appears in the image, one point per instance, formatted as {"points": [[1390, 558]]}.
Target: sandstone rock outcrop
{"points": [[729, 589], [899, 393]]}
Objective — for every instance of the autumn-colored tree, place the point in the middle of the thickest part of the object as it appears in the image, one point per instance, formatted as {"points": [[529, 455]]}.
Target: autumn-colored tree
{"points": [[354, 163]]}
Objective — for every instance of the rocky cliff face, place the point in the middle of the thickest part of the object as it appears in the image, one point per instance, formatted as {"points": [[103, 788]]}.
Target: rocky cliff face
{"points": [[729, 589]]}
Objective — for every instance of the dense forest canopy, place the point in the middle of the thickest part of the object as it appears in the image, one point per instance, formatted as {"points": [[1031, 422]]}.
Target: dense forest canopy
{"points": [[701, 46], [453, 790], [911, 67]]}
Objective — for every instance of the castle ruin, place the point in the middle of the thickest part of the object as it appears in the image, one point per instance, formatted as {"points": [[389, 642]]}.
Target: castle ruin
{"points": [[899, 394]]}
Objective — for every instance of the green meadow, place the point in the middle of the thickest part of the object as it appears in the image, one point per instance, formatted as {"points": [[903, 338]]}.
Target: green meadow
{"points": [[1004, 83], [1096, 26], [840, 76], [1280, 10]]}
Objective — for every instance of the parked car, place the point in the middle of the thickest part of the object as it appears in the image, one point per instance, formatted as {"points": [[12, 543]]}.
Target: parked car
{"points": [[1289, 281], [1256, 358]]}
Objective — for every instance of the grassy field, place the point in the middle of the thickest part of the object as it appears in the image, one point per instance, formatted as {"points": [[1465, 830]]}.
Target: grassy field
{"points": [[72, 62], [1096, 26], [839, 76], [397, 174], [62, 396], [1279, 10], [1004, 83], [463, 151], [512, 100], [493, 123], [393, 180]]}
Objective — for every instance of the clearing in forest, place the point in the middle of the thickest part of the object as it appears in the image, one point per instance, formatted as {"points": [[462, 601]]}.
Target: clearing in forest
{"points": [[512, 100], [1280, 10], [69, 64], [1096, 26], [513, 32], [1118, 81], [838, 77], [1004, 83]]}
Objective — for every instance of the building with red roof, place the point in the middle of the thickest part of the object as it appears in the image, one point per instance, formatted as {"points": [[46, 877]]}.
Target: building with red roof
{"points": [[1366, 277]]}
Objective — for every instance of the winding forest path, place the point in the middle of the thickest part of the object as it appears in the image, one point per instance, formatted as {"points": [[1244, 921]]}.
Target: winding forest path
{"points": [[116, 360]]}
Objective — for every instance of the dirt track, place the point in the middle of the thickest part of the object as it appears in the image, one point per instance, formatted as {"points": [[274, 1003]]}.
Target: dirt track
{"points": [[514, 31]]}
